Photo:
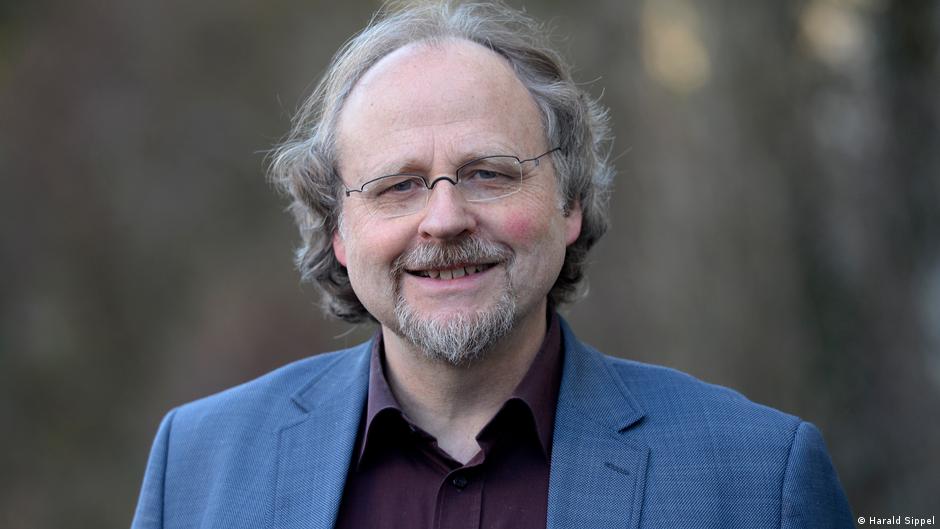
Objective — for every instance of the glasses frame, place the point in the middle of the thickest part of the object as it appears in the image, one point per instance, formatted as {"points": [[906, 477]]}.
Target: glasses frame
{"points": [[456, 179]]}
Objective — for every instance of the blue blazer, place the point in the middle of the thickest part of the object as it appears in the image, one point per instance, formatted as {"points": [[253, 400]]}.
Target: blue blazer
{"points": [[634, 446]]}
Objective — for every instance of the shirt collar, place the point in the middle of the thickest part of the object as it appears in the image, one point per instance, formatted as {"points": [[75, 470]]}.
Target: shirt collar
{"points": [[538, 389]]}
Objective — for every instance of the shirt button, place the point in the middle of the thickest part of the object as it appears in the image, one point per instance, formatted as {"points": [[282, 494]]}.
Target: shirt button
{"points": [[460, 482]]}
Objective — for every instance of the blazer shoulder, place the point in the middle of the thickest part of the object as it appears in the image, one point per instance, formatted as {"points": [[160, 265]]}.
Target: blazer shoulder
{"points": [[751, 452], [666, 394]]}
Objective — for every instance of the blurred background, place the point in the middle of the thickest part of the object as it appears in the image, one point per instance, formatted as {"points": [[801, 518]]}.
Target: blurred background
{"points": [[776, 221]]}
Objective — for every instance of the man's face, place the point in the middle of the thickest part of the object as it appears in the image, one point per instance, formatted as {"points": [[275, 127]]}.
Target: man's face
{"points": [[427, 110]]}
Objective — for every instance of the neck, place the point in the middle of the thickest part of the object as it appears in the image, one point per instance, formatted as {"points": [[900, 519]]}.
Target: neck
{"points": [[453, 403]]}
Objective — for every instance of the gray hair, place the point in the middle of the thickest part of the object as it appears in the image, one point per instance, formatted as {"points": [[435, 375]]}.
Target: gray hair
{"points": [[305, 165]]}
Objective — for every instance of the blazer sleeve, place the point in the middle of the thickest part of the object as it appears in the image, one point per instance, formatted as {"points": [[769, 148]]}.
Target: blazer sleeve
{"points": [[149, 513], [812, 495]]}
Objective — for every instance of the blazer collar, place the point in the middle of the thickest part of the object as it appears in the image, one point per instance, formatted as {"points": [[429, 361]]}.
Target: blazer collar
{"points": [[314, 451], [590, 384], [346, 371], [598, 472]]}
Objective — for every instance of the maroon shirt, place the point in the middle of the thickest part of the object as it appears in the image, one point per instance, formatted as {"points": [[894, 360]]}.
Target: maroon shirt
{"points": [[400, 479]]}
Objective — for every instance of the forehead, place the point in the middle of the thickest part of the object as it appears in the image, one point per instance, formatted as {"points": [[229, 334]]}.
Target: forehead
{"points": [[427, 102]]}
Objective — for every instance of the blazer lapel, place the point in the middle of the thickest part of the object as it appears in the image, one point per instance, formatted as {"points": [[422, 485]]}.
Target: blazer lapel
{"points": [[314, 451], [598, 473]]}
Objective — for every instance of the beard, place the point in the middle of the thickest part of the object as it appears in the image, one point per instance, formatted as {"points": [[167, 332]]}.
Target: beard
{"points": [[462, 338]]}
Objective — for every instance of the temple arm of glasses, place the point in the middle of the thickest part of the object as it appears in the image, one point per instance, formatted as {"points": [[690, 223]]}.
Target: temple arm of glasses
{"points": [[544, 154]]}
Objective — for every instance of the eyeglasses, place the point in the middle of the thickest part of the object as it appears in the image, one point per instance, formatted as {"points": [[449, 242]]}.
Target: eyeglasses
{"points": [[482, 180]]}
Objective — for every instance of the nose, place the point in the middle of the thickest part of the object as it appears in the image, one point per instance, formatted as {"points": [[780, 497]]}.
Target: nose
{"points": [[447, 215]]}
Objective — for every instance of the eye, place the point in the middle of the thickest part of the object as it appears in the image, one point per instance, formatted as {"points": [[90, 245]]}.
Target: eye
{"points": [[394, 186], [489, 171], [406, 185], [486, 174]]}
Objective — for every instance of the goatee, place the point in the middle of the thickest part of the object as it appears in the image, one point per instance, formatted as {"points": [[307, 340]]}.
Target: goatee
{"points": [[460, 338]]}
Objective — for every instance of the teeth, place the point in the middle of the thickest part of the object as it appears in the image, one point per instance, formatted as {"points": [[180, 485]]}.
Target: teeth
{"points": [[453, 273]]}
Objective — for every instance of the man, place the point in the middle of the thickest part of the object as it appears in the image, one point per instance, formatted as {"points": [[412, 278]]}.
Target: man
{"points": [[448, 178]]}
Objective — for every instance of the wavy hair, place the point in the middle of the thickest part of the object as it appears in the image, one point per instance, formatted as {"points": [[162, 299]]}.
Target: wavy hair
{"points": [[304, 166]]}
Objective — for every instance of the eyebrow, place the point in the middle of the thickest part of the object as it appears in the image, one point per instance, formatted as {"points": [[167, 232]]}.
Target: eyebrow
{"points": [[410, 165], [389, 169]]}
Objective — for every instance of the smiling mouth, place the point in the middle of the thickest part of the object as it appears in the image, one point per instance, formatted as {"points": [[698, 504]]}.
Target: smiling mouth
{"points": [[453, 272]]}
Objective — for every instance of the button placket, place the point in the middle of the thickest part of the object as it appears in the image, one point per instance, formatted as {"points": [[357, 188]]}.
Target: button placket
{"points": [[460, 500]]}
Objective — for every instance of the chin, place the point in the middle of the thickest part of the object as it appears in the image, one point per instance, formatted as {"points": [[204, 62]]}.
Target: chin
{"points": [[457, 336]]}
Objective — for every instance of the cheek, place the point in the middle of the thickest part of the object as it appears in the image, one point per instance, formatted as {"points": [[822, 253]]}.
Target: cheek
{"points": [[372, 248], [520, 227]]}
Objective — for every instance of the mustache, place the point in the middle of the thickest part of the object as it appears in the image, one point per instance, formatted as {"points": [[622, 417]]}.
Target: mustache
{"points": [[468, 250]]}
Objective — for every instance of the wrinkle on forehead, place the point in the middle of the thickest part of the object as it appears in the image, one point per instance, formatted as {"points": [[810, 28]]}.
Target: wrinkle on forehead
{"points": [[418, 157], [409, 58], [424, 101], [410, 73]]}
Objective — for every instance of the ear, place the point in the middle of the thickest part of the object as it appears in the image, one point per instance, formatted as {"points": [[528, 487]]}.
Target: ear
{"points": [[573, 223], [339, 248]]}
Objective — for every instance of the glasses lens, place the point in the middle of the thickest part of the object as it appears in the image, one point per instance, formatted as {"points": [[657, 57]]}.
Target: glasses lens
{"points": [[490, 178], [396, 195]]}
